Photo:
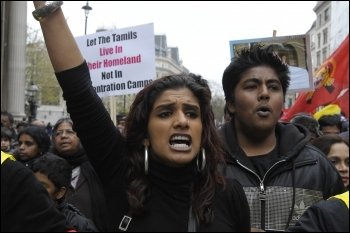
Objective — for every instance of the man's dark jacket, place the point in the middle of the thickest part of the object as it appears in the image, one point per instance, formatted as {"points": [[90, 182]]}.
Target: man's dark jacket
{"points": [[301, 176]]}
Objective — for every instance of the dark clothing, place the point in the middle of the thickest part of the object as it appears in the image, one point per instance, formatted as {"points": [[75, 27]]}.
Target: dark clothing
{"points": [[298, 177], [76, 219], [325, 216], [167, 208], [262, 163], [88, 195], [25, 203], [28, 163]]}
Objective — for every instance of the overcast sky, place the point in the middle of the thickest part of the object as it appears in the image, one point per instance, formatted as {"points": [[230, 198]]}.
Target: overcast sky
{"points": [[201, 30]]}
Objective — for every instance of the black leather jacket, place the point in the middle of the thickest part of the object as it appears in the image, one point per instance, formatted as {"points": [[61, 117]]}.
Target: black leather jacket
{"points": [[301, 176]]}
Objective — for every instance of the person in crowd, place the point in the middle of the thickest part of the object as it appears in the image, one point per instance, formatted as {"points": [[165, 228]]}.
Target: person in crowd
{"points": [[345, 129], [55, 174], [344, 135], [25, 204], [6, 139], [21, 125], [330, 215], [87, 191], [49, 129], [330, 124], [310, 123], [38, 122], [281, 174], [8, 121], [336, 148], [163, 175], [33, 142], [345, 125]]}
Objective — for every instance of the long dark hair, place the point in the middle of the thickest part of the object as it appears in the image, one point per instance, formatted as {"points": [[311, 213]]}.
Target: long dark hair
{"points": [[325, 142], [136, 132]]}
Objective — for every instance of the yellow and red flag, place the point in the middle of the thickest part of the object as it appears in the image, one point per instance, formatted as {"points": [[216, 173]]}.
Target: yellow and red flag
{"points": [[331, 85]]}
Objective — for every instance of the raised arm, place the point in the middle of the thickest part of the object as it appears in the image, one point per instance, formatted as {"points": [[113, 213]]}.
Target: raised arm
{"points": [[97, 132], [61, 45]]}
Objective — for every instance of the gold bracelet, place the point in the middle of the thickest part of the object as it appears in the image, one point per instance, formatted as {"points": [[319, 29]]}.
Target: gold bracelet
{"points": [[44, 11]]}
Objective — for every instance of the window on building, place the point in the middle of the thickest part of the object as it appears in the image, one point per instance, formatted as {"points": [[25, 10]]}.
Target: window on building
{"points": [[318, 40], [313, 41], [318, 57], [326, 15], [319, 20], [325, 36], [324, 53]]}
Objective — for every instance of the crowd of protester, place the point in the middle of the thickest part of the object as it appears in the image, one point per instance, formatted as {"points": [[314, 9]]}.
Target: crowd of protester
{"points": [[165, 166]]}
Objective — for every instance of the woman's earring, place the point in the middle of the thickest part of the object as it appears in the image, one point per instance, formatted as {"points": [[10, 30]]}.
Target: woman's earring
{"points": [[146, 160], [202, 166]]}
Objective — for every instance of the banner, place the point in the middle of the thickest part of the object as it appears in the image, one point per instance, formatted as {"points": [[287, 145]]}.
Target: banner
{"points": [[331, 82], [294, 50], [120, 61]]}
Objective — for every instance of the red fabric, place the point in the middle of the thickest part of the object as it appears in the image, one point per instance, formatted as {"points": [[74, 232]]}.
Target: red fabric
{"points": [[331, 79], [343, 102]]}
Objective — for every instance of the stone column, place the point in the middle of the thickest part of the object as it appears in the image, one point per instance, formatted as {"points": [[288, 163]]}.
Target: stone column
{"points": [[16, 63]]}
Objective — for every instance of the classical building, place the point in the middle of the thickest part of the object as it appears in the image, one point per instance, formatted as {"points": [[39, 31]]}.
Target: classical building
{"points": [[13, 57], [329, 29], [167, 62], [326, 33], [167, 58]]}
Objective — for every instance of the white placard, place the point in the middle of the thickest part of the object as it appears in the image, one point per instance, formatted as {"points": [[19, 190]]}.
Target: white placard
{"points": [[120, 61]]}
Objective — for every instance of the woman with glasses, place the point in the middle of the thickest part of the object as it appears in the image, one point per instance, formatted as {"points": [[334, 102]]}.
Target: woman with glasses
{"points": [[86, 192]]}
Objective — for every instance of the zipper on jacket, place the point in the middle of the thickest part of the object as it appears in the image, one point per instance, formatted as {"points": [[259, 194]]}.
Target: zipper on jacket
{"points": [[262, 197], [262, 193]]}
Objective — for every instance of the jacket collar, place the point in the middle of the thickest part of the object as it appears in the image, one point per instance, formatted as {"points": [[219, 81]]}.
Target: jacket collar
{"points": [[291, 140]]}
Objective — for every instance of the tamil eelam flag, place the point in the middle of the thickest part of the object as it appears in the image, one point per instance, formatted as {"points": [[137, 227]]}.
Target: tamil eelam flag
{"points": [[331, 79]]}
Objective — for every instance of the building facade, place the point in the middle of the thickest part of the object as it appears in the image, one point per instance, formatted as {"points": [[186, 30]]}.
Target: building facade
{"points": [[13, 57], [329, 29], [326, 34]]}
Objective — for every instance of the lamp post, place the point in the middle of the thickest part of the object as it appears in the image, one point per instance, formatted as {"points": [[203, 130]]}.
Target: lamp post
{"points": [[87, 9], [32, 96]]}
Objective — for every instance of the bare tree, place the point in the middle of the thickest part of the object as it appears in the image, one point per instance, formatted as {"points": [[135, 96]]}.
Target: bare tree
{"points": [[39, 69]]}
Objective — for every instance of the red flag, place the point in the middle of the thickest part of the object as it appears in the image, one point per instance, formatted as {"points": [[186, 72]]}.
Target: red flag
{"points": [[343, 102], [331, 79]]}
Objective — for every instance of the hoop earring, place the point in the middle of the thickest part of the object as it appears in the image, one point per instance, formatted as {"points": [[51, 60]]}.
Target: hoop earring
{"points": [[146, 160], [202, 166]]}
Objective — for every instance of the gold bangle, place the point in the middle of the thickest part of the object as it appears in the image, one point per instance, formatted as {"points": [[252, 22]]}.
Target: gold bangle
{"points": [[44, 11]]}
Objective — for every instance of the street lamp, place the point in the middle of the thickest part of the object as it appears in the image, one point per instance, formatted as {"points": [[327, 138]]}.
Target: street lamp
{"points": [[32, 96], [87, 9]]}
